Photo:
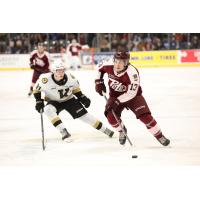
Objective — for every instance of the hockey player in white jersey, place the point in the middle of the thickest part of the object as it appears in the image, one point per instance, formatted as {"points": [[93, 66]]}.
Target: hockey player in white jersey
{"points": [[62, 92]]}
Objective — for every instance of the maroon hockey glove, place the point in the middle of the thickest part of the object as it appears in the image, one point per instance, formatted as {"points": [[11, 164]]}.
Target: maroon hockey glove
{"points": [[100, 86], [32, 66], [112, 104]]}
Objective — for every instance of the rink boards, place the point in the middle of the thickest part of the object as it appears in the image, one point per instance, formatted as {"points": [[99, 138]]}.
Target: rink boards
{"points": [[175, 58]]}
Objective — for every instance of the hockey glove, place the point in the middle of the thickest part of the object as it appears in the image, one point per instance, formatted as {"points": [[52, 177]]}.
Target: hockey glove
{"points": [[100, 86], [32, 66], [84, 100], [112, 104], [39, 105]]}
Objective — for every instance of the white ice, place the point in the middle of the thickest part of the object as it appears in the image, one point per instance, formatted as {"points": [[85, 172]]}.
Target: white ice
{"points": [[173, 95]]}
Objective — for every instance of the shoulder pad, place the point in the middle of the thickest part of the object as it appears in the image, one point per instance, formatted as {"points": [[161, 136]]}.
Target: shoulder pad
{"points": [[45, 76], [44, 80], [132, 70], [33, 52], [46, 53], [72, 76]]}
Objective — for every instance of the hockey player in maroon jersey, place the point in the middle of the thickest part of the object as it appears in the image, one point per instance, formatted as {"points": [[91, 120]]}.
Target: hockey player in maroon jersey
{"points": [[39, 62], [125, 92]]}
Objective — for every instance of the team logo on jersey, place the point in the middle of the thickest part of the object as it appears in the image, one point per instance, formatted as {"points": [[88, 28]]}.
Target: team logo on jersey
{"points": [[39, 62], [64, 93], [117, 86], [44, 80]]}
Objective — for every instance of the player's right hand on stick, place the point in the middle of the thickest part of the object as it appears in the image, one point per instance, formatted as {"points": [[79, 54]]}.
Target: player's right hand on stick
{"points": [[39, 105], [84, 100], [100, 86]]}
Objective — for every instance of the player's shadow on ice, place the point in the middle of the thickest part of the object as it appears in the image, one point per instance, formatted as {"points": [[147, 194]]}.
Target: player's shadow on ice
{"points": [[76, 138], [39, 140], [157, 147]]}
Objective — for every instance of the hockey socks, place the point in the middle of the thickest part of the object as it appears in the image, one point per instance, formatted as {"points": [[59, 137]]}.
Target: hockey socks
{"points": [[154, 129], [92, 121], [50, 112]]}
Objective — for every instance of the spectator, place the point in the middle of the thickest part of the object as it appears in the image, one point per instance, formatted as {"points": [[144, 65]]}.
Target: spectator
{"points": [[114, 42], [173, 43], [104, 45], [194, 42], [82, 39], [3, 42], [26, 42], [90, 39], [148, 44], [157, 44]]}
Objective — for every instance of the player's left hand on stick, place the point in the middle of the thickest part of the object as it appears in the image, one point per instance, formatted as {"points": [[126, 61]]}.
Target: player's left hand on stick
{"points": [[39, 105], [84, 100], [112, 104]]}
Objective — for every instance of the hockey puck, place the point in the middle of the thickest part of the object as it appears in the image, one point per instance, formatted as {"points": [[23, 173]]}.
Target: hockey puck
{"points": [[134, 156]]}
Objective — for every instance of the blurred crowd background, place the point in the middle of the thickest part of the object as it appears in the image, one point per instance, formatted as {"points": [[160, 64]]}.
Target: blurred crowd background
{"points": [[22, 43]]}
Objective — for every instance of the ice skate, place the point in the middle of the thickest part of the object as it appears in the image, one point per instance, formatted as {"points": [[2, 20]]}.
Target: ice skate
{"points": [[122, 137], [163, 140], [109, 132], [65, 135]]}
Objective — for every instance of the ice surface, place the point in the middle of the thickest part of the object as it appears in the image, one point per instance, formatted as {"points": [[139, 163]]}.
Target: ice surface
{"points": [[173, 95]]}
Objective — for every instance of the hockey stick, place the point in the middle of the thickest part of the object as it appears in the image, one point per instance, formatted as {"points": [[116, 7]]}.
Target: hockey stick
{"points": [[116, 118], [42, 129]]}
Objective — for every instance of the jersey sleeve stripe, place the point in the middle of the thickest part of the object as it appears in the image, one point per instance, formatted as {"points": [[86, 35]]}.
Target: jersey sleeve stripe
{"points": [[76, 90]]}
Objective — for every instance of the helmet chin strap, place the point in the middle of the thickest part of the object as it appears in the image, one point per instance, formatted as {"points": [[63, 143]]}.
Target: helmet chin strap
{"points": [[61, 81]]}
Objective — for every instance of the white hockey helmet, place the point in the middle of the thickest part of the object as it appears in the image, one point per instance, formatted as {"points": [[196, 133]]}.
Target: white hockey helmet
{"points": [[57, 65]]}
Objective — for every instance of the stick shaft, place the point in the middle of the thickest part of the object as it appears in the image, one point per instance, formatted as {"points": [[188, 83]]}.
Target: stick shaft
{"points": [[42, 129], [123, 131]]}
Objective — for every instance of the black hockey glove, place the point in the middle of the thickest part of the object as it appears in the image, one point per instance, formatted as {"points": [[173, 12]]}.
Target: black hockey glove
{"points": [[39, 105], [84, 100]]}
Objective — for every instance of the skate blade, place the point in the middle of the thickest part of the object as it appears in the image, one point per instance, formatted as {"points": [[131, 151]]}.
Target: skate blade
{"points": [[68, 140]]}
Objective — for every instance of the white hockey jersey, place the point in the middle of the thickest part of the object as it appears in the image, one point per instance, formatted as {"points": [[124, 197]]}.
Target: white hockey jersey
{"points": [[55, 92]]}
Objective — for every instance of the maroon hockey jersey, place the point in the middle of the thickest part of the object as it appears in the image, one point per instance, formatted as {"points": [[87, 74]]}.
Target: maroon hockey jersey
{"points": [[124, 86], [74, 49], [39, 62]]}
